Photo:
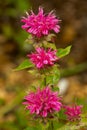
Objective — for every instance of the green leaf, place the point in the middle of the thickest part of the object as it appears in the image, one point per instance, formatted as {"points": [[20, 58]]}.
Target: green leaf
{"points": [[54, 77], [63, 52], [24, 65]]}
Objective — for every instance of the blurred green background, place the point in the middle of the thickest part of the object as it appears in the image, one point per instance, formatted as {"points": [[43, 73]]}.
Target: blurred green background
{"points": [[13, 49]]}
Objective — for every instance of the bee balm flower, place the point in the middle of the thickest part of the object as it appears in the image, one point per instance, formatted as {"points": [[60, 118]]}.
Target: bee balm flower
{"points": [[43, 102], [43, 58], [40, 24], [73, 113]]}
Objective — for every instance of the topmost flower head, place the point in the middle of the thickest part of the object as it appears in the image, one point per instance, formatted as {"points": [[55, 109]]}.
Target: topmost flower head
{"points": [[40, 24]]}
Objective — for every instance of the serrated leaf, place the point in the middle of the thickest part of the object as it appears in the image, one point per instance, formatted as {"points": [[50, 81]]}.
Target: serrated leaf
{"points": [[24, 65], [63, 52]]}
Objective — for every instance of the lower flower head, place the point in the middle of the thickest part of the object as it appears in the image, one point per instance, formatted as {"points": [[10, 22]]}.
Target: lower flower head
{"points": [[43, 102], [73, 112], [43, 58]]}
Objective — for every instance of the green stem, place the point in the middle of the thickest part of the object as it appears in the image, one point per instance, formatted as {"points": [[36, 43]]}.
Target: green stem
{"points": [[52, 128], [45, 81]]}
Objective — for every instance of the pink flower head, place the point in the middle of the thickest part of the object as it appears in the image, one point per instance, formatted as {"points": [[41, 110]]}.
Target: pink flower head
{"points": [[43, 102], [40, 24], [73, 112], [43, 58]]}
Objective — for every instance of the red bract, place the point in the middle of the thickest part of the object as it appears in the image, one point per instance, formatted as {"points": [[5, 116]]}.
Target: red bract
{"points": [[73, 112], [43, 102], [43, 58], [40, 24]]}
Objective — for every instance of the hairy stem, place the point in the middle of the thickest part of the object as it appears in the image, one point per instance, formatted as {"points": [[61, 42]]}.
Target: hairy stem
{"points": [[52, 128], [45, 80]]}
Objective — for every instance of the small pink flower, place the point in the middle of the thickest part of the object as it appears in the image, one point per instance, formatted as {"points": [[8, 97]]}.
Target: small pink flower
{"points": [[43, 102], [43, 58], [73, 112], [40, 24]]}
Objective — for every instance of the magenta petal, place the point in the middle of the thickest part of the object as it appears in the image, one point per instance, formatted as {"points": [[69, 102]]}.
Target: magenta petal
{"points": [[43, 102], [42, 58], [73, 112], [40, 24]]}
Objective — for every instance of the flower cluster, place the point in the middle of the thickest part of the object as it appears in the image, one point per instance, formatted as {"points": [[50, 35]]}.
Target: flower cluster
{"points": [[73, 112], [43, 102], [43, 58], [40, 24]]}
